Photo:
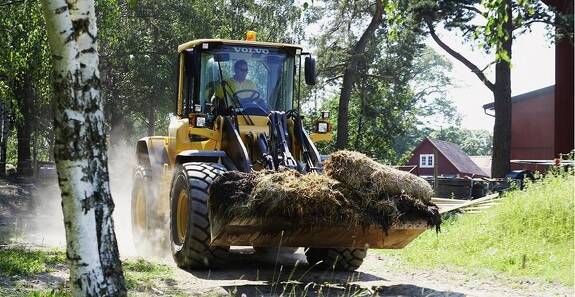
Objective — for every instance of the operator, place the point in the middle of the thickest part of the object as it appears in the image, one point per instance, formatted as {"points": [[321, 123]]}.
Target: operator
{"points": [[242, 88], [239, 81]]}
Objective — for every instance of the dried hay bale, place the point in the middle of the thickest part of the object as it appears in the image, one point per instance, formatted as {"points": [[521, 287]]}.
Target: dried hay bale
{"points": [[287, 194], [372, 180], [230, 191], [310, 197]]}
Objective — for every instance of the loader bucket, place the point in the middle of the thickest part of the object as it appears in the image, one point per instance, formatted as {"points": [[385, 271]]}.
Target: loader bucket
{"points": [[277, 232]]}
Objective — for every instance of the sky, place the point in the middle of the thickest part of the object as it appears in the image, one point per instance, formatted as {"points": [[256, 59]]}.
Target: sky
{"points": [[533, 67]]}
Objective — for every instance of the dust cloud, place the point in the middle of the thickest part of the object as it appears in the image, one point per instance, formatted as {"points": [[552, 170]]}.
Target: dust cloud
{"points": [[45, 224]]}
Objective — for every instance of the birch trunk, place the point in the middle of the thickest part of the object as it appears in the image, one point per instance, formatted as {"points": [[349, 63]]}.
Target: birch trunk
{"points": [[80, 150]]}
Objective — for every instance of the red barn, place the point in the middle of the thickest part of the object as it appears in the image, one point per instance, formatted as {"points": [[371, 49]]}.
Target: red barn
{"points": [[451, 160], [532, 125], [541, 126]]}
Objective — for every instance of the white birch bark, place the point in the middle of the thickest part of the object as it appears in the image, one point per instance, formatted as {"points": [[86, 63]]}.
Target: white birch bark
{"points": [[80, 150]]}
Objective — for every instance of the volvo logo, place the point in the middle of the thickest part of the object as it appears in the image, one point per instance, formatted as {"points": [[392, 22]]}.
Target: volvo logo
{"points": [[251, 50]]}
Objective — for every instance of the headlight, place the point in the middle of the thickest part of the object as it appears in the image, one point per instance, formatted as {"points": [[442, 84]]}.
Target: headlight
{"points": [[200, 122], [322, 127]]}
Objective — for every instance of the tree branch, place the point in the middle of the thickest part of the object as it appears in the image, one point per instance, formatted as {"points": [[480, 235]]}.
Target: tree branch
{"points": [[459, 57], [547, 22], [487, 66], [474, 9], [332, 79]]}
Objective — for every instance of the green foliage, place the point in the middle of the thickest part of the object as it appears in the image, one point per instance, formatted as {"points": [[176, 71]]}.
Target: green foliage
{"points": [[15, 261], [530, 233], [25, 63]]}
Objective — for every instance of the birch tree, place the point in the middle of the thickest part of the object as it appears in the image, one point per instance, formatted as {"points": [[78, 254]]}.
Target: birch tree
{"points": [[80, 150]]}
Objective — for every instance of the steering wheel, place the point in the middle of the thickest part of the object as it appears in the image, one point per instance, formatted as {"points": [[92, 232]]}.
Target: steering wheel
{"points": [[254, 95], [253, 103]]}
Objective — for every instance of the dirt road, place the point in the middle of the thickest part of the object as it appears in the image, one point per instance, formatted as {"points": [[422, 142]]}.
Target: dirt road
{"points": [[254, 275]]}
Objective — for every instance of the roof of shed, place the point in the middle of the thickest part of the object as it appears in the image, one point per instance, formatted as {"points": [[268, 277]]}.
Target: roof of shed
{"points": [[457, 157], [525, 96]]}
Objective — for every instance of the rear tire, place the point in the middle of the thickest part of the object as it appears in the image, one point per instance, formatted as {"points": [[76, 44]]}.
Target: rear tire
{"points": [[342, 259], [189, 221], [145, 222]]}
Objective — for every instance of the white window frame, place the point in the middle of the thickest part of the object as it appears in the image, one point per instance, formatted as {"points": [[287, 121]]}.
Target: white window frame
{"points": [[424, 161]]}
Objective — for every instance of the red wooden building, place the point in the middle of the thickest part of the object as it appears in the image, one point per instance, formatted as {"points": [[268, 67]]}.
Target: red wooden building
{"points": [[533, 131], [450, 160]]}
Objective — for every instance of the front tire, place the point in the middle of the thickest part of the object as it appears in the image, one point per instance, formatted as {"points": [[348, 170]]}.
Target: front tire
{"points": [[342, 259], [189, 221]]}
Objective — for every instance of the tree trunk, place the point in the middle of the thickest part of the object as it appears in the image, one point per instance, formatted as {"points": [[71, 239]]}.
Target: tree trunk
{"points": [[24, 127], [80, 150], [154, 91], [349, 77], [118, 128], [5, 133], [151, 118], [500, 165]]}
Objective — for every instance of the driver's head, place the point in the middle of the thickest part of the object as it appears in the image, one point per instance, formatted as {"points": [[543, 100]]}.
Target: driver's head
{"points": [[240, 70]]}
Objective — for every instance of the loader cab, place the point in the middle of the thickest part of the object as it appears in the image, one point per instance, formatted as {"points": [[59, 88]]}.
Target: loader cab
{"points": [[209, 83]]}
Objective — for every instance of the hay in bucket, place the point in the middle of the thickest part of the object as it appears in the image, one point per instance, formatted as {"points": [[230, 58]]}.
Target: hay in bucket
{"points": [[310, 198], [371, 180], [383, 196]]}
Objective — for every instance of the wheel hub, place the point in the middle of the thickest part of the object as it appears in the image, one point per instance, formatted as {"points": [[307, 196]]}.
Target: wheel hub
{"points": [[182, 216]]}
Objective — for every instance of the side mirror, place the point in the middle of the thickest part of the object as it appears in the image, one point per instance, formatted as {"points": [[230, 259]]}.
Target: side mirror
{"points": [[310, 76]]}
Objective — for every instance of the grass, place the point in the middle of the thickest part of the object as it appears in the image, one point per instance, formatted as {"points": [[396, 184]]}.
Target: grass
{"points": [[14, 261], [141, 275], [48, 293], [529, 234]]}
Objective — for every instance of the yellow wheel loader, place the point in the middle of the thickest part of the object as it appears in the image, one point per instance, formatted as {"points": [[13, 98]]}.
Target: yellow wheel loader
{"points": [[238, 109]]}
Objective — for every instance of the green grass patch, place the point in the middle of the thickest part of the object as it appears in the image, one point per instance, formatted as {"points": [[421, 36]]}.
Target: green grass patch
{"points": [[49, 293], [529, 234], [142, 275], [14, 261]]}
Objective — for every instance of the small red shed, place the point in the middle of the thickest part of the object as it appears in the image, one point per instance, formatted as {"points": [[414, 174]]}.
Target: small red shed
{"points": [[451, 160]]}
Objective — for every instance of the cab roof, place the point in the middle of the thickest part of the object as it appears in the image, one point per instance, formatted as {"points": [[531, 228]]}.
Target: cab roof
{"points": [[193, 43]]}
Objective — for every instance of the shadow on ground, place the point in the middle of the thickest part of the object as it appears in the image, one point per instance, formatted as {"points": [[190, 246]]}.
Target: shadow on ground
{"points": [[290, 275]]}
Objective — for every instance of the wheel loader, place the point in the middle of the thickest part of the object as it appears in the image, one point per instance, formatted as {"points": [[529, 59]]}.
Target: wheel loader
{"points": [[219, 127]]}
